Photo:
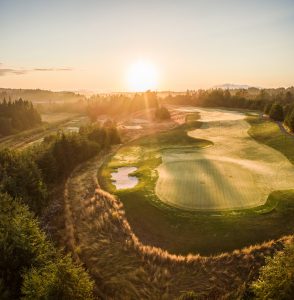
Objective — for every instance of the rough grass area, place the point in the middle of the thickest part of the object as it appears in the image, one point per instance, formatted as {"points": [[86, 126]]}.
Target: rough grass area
{"points": [[178, 231], [123, 268], [57, 117], [269, 133]]}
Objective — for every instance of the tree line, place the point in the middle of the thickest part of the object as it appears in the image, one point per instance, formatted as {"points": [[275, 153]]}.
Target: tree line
{"points": [[281, 113], [279, 106], [120, 104], [17, 115], [30, 266]]}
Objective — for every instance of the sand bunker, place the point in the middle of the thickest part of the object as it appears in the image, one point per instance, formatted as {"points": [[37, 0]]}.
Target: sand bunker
{"points": [[237, 172], [122, 180]]}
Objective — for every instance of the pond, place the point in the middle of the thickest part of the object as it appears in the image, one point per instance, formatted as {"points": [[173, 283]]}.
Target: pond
{"points": [[122, 179]]}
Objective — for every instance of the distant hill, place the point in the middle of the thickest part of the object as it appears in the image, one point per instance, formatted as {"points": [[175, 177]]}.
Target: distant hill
{"points": [[39, 96], [232, 86]]}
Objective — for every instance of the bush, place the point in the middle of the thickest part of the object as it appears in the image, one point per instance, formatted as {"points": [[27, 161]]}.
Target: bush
{"points": [[57, 280], [276, 280]]}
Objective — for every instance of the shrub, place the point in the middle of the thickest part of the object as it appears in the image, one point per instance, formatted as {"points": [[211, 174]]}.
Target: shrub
{"points": [[57, 280], [276, 280]]}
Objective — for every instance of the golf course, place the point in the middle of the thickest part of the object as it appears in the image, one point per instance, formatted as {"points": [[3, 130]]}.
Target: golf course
{"points": [[236, 173], [211, 182]]}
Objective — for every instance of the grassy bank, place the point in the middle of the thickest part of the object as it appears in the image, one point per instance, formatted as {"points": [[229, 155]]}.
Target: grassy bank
{"points": [[179, 231], [269, 133]]}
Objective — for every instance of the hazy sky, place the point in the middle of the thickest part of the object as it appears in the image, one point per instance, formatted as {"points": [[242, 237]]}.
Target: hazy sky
{"points": [[91, 44]]}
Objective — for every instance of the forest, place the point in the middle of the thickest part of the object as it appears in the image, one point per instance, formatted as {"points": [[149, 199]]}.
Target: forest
{"points": [[27, 182], [17, 116]]}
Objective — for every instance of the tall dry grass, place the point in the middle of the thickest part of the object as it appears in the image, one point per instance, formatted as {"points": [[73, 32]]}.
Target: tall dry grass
{"points": [[99, 235]]}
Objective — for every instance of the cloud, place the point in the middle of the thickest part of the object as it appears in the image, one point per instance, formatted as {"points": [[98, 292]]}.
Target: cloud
{"points": [[4, 72], [52, 69], [7, 71]]}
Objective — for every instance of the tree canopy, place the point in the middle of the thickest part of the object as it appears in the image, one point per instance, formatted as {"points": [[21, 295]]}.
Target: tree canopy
{"points": [[17, 116]]}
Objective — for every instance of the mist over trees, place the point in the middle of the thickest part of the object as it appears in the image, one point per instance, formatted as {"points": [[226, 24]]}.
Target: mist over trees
{"points": [[40, 96], [121, 104]]}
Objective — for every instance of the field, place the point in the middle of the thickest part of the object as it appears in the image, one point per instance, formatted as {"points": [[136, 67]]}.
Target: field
{"points": [[52, 123], [57, 117], [245, 175]]}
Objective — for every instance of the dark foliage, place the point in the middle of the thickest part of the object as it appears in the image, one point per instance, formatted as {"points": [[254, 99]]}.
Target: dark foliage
{"points": [[277, 112], [17, 116], [290, 120], [30, 267], [276, 280], [162, 113], [21, 178]]}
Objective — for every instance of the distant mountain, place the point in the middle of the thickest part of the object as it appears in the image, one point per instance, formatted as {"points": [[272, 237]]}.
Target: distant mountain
{"points": [[232, 86]]}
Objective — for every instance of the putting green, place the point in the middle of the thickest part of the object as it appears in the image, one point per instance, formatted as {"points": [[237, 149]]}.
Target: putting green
{"points": [[235, 173]]}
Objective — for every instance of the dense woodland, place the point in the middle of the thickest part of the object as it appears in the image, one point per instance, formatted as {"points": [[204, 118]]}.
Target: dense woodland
{"points": [[17, 116], [40, 96], [30, 266]]}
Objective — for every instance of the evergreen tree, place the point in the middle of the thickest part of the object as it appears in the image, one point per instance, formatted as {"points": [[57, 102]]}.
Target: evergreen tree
{"points": [[276, 112]]}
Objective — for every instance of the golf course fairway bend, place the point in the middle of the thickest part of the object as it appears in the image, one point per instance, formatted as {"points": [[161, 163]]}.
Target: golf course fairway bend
{"points": [[236, 172], [220, 181]]}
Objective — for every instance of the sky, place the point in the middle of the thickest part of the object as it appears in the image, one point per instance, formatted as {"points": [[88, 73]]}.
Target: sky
{"points": [[183, 44]]}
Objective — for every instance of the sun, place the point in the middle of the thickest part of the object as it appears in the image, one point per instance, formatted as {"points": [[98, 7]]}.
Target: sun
{"points": [[142, 76]]}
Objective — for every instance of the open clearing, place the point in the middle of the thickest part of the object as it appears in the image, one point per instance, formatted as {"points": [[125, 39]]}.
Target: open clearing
{"points": [[237, 172], [57, 117]]}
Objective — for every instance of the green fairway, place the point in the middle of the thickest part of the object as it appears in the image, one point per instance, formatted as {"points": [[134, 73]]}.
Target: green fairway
{"points": [[206, 232]]}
